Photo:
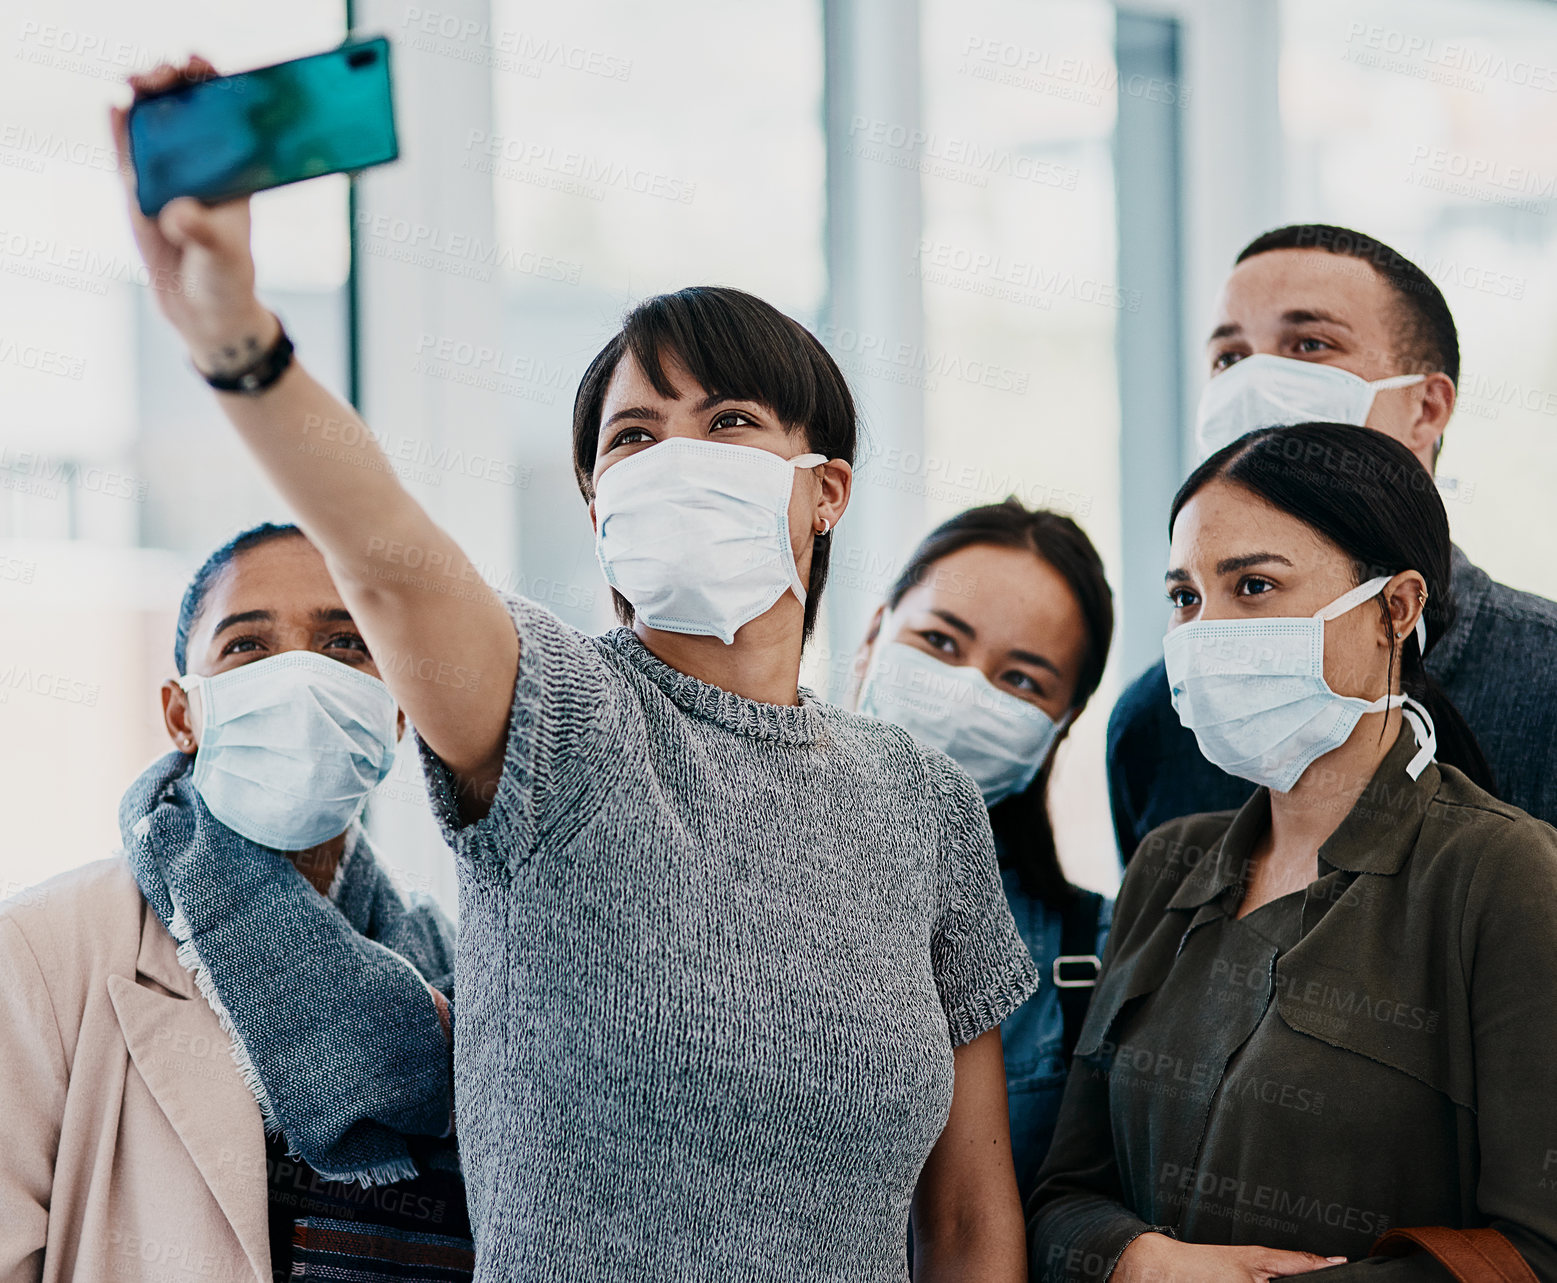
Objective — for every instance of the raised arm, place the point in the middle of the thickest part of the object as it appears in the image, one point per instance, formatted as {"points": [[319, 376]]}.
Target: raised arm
{"points": [[422, 607]]}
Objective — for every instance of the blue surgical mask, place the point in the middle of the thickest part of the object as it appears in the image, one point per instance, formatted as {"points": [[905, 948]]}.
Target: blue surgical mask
{"points": [[1255, 695], [291, 746], [998, 739]]}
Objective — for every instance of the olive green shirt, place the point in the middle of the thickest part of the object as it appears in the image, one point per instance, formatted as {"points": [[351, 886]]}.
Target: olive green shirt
{"points": [[1378, 1050]]}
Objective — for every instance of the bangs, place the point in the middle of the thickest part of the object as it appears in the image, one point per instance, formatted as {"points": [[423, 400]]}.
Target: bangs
{"points": [[733, 345], [730, 350]]}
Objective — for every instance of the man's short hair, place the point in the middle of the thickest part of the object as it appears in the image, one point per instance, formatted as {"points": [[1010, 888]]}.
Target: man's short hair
{"points": [[1424, 328]]}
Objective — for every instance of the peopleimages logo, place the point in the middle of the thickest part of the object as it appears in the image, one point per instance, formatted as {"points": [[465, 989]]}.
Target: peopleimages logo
{"points": [[1015, 280], [573, 172], [861, 352], [1482, 178], [1444, 61], [458, 252], [1231, 1195], [508, 49], [1071, 77], [46, 685], [947, 156]]}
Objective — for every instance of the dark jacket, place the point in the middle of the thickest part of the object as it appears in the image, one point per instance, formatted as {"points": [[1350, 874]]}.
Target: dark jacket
{"points": [[1497, 664], [1418, 1001]]}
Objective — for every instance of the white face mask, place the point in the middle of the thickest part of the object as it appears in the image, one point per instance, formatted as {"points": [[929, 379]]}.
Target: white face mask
{"points": [[695, 534], [291, 746], [1265, 391], [998, 739], [1254, 693]]}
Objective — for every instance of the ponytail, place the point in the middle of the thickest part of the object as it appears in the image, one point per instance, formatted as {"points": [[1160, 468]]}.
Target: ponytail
{"points": [[1457, 744]]}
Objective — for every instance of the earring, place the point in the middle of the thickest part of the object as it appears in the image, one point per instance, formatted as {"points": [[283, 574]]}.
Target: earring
{"points": [[826, 526]]}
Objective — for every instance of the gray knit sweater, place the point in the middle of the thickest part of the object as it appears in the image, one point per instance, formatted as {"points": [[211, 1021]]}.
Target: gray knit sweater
{"points": [[713, 958]]}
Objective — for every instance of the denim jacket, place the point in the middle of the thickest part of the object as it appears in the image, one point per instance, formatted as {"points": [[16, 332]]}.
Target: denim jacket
{"points": [[1033, 1034]]}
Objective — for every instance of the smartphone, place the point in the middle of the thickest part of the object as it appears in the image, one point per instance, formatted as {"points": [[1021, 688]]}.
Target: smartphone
{"points": [[232, 135]]}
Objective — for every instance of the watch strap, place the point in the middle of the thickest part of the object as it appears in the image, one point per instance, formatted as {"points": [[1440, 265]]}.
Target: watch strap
{"points": [[260, 373]]}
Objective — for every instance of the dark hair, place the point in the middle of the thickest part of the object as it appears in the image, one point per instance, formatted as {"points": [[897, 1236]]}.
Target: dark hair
{"points": [[1424, 330], [1372, 498], [1021, 821], [200, 586], [734, 345]]}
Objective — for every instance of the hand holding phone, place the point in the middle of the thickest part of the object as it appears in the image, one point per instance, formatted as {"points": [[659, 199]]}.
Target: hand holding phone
{"points": [[198, 259], [220, 137]]}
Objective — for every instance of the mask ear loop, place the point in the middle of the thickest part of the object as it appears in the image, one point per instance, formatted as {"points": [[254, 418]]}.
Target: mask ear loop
{"points": [[193, 686], [811, 460], [1352, 599], [1426, 735], [1415, 713], [1356, 596], [1397, 381], [1062, 724], [1421, 723]]}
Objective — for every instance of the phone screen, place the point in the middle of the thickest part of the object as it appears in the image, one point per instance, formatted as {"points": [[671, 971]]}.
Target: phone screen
{"points": [[233, 135]]}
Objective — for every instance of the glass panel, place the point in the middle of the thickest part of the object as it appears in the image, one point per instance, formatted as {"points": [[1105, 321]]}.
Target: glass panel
{"points": [[1021, 296], [117, 472], [1427, 124], [651, 156]]}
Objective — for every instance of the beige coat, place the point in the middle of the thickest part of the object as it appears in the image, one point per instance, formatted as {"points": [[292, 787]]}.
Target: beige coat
{"points": [[130, 1149]]}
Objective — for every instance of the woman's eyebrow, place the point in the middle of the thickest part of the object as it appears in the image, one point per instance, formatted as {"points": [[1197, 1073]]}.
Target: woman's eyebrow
{"points": [[961, 625], [1229, 564], [1037, 661], [647, 412], [243, 617]]}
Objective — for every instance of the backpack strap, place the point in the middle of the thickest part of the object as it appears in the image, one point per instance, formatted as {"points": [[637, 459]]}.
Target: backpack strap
{"points": [[1472, 1256], [1075, 970]]}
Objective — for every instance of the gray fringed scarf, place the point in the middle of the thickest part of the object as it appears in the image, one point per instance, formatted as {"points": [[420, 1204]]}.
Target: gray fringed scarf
{"points": [[332, 1025]]}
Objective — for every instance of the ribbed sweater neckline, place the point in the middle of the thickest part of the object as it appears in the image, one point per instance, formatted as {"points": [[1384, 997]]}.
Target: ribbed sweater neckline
{"points": [[788, 723]]}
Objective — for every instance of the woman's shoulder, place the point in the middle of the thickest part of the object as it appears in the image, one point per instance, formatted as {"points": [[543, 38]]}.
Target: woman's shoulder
{"points": [[924, 773], [1170, 852], [88, 898], [864, 732], [543, 628], [83, 921], [1189, 833], [1468, 836], [1457, 792]]}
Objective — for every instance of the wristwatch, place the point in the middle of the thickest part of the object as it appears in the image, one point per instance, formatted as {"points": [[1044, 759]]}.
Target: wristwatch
{"points": [[260, 373]]}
